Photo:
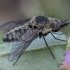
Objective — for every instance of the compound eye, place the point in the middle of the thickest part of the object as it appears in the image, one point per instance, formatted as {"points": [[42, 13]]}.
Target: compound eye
{"points": [[30, 25]]}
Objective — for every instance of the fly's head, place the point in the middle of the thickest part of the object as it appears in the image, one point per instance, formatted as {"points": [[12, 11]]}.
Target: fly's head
{"points": [[57, 24]]}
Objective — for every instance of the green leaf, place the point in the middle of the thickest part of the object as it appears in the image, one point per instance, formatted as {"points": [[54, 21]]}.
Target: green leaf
{"points": [[68, 44], [37, 56]]}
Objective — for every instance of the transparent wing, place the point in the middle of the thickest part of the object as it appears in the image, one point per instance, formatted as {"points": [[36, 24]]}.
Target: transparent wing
{"points": [[12, 24], [25, 40]]}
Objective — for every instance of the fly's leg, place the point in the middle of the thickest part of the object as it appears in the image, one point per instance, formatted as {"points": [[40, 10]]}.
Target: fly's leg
{"points": [[58, 34], [58, 39], [48, 47]]}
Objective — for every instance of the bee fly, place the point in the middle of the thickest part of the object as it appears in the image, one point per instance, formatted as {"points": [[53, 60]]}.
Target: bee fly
{"points": [[25, 31]]}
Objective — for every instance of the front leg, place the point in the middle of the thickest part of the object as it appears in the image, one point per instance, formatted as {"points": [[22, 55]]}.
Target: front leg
{"points": [[58, 39]]}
